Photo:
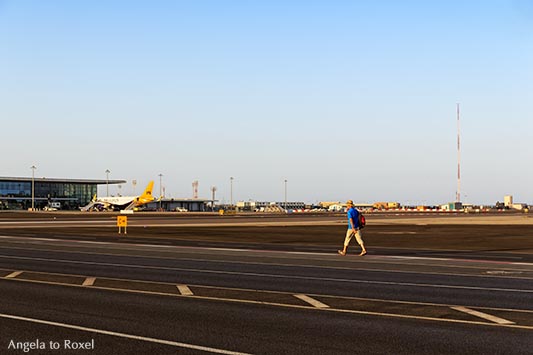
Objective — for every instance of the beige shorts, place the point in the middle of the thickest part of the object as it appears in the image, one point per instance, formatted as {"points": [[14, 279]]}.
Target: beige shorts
{"points": [[350, 233]]}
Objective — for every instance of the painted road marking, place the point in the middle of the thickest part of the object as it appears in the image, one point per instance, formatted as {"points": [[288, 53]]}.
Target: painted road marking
{"points": [[483, 315], [311, 301], [184, 290], [264, 291], [393, 315], [277, 276], [506, 274], [503, 272], [14, 274], [372, 257], [123, 335], [89, 281], [375, 258], [260, 291]]}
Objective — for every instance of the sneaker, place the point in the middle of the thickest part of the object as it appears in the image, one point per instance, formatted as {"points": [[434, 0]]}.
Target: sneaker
{"points": [[341, 252]]}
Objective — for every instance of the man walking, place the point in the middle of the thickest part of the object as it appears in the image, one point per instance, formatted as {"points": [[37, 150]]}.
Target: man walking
{"points": [[353, 229]]}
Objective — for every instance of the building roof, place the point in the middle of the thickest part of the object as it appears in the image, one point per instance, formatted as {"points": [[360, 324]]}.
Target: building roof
{"points": [[169, 199], [62, 181]]}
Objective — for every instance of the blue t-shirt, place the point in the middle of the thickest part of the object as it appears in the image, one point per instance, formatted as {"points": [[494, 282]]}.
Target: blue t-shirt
{"points": [[354, 214]]}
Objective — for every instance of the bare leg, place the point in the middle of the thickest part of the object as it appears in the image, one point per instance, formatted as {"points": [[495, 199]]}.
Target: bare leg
{"points": [[359, 239], [349, 235]]}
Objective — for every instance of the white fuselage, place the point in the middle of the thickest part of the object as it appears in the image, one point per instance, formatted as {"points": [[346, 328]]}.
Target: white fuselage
{"points": [[116, 200]]}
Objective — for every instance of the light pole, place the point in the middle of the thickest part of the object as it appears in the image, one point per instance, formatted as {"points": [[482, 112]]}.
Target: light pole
{"points": [[160, 190], [213, 190], [285, 194], [231, 191], [33, 167], [107, 181]]}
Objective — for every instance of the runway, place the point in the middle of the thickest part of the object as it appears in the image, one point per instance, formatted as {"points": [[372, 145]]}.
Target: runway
{"points": [[165, 294]]}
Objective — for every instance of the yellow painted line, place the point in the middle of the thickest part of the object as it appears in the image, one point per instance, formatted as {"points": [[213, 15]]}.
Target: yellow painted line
{"points": [[233, 300], [89, 281], [184, 290], [311, 301], [14, 274], [483, 315], [123, 335]]}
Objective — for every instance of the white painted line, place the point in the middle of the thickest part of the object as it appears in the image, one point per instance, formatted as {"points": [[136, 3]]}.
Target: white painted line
{"points": [[184, 290], [311, 301], [14, 274], [41, 239], [224, 249], [124, 335], [257, 291], [372, 257], [403, 316], [89, 281], [412, 258], [483, 315], [507, 276], [276, 276], [87, 242]]}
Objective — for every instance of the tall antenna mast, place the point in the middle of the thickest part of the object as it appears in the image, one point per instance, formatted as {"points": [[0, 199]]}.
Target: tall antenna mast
{"points": [[458, 193]]}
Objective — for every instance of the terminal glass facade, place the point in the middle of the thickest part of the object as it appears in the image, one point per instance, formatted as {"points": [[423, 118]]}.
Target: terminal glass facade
{"points": [[69, 195]]}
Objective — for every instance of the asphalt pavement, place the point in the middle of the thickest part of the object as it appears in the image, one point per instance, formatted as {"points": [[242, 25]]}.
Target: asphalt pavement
{"points": [[165, 292]]}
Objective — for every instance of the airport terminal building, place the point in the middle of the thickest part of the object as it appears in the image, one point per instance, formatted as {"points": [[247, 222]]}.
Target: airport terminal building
{"points": [[179, 205], [67, 194]]}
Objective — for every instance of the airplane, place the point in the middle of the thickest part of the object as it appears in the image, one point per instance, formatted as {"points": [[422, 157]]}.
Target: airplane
{"points": [[115, 203]]}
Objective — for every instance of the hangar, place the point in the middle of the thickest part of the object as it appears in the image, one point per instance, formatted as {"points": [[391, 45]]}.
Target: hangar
{"points": [[179, 204], [68, 194]]}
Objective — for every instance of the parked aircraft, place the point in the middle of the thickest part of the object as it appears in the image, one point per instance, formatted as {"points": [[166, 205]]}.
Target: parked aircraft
{"points": [[115, 203]]}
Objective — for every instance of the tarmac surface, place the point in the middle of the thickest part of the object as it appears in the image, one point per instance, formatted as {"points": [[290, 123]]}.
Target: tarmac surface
{"points": [[265, 284], [509, 235]]}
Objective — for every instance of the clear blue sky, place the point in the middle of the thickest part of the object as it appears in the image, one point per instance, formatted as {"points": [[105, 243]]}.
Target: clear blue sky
{"points": [[344, 99]]}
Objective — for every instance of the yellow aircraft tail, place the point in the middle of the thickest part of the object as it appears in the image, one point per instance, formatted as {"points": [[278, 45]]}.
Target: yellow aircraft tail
{"points": [[146, 196], [148, 191]]}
